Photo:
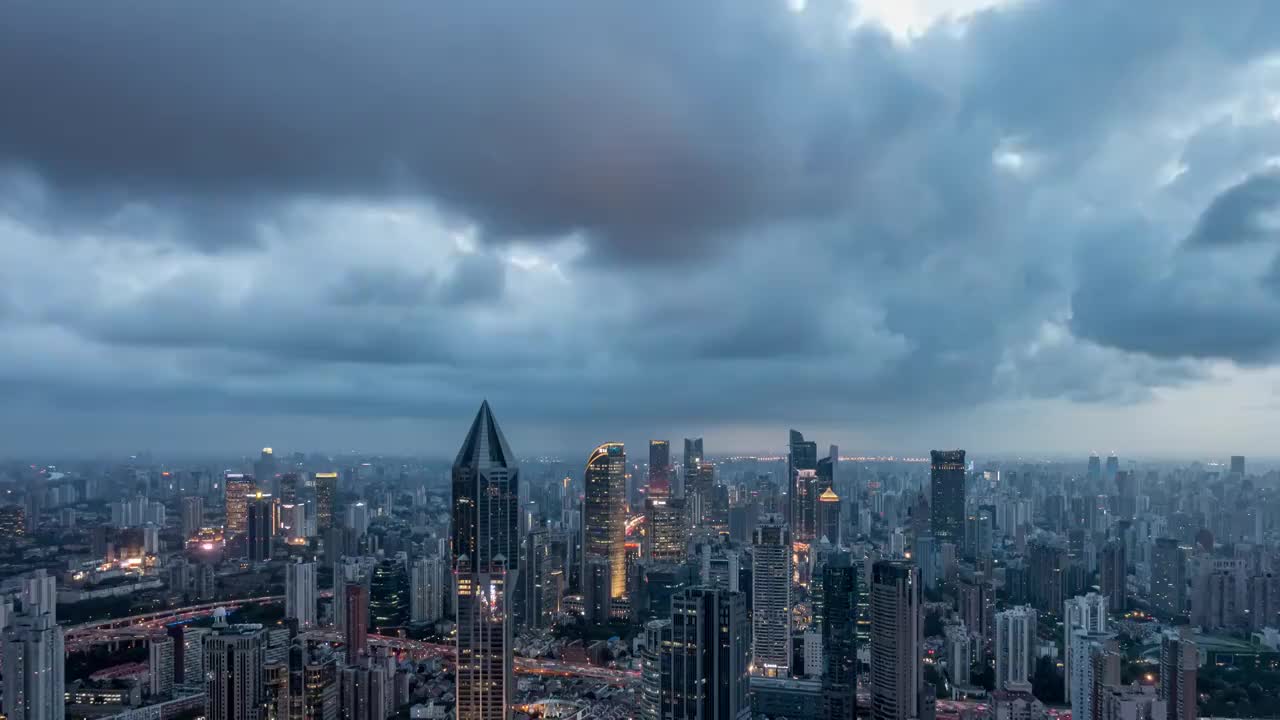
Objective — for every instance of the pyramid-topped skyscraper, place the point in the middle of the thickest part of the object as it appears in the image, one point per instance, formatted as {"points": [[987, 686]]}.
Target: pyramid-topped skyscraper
{"points": [[486, 548]]}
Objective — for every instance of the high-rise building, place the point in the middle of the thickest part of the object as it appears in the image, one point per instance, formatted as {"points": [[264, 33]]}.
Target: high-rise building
{"points": [[235, 687], [1168, 579], [1134, 702], [429, 580], [389, 597], [289, 488], [357, 520], [192, 516], [1237, 465], [1084, 613], [827, 473], [1047, 570], [700, 490], [365, 693], [300, 594], [1113, 468], [40, 595], [188, 654], [326, 488], [704, 669], [666, 528], [486, 548], [828, 517], [657, 634], [659, 469], [160, 665], [1264, 601], [840, 654], [534, 566], [265, 469], [1114, 574], [1015, 648], [604, 520], [771, 598], [1179, 660], [1095, 663], [237, 488], [692, 456], [262, 525], [897, 650], [946, 496], [1095, 469], [802, 481], [356, 622], [34, 667]]}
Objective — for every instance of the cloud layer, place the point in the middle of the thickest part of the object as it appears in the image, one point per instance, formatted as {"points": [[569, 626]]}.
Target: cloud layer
{"points": [[632, 216]]}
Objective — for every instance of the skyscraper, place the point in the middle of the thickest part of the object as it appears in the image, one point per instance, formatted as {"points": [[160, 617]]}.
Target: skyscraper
{"points": [[1095, 663], [237, 488], [1168, 579], [262, 525], [771, 598], [356, 621], [1095, 469], [828, 517], [692, 456], [897, 650], [486, 548], [300, 594], [389, 597], [1179, 661], [1084, 613], [34, 666], [1237, 465], [802, 480], [704, 673], [1114, 573], [160, 665], [659, 469], [235, 687], [1015, 648], [946, 496], [326, 488], [264, 470], [1113, 468], [428, 580], [289, 488], [192, 516], [666, 532], [604, 520], [839, 616]]}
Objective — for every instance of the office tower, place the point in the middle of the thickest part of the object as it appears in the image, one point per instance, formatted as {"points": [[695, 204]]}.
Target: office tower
{"points": [[666, 533], [1179, 661], [700, 490], [926, 556], [840, 653], [192, 516], [1095, 469], [604, 519], [1168, 579], [265, 469], [946, 496], [1114, 574], [692, 456], [262, 524], [357, 520], [389, 597], [657, 635], [1237, 465], [1015, 648], [486, 547], [1264, 601], [597, 596], [428, 579], [897, 652], [289, 488], [1084, 613], [300, 594], [320, 691], [160, 666], [40, 595], [659, 469], [534, 567], [1095, 662], [1127, 495], [235, 683], [826, 470], [802, 479], [34, 666], [828, 517], [365, 693], [237, 488], [1113, 467], [188, 654], [771, 598], [356, 622], [704, 669], [326, 488]]}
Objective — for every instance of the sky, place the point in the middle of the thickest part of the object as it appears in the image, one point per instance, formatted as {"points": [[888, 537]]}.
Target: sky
{"points": [[1026, 226]]}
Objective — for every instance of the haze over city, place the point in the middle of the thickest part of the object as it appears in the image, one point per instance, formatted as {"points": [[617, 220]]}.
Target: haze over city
{"points": [[1020, 227]]}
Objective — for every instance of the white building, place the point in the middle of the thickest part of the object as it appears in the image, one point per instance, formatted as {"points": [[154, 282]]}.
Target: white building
{"points": [[300, 594], [160, 666], [771, 588], [1015, 648], [34, 663], [1083, 612]]}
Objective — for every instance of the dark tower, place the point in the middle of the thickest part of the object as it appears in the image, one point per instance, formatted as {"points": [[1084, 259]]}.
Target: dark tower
{"points": [[946, 496]]}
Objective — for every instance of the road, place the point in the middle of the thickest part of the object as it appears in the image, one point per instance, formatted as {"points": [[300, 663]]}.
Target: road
{"points": [[139, 627]]}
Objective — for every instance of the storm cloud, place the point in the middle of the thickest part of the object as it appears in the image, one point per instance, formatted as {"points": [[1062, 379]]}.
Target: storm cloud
{"points": [[635, 216]]}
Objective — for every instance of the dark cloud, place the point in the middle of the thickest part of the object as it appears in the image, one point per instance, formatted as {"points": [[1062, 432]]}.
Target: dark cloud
{"points": [[721, 212]]}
